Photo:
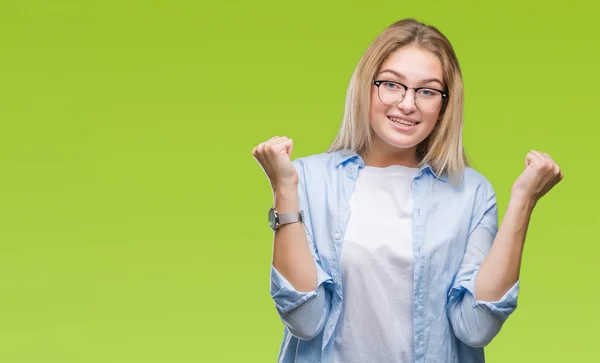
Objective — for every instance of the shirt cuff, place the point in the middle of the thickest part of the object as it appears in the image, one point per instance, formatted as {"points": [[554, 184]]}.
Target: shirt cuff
{"points": [[286, 297], [502, 308]]}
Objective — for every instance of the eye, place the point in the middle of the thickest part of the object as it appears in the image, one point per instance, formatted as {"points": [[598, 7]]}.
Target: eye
{"points": [[391, 86], [428, 93]]}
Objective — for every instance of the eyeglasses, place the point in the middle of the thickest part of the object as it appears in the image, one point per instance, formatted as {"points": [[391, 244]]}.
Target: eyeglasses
{"points": [[426, 99]]}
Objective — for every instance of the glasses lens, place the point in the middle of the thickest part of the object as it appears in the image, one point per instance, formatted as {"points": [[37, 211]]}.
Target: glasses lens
{"points": [[428, 100], [391, 93]]}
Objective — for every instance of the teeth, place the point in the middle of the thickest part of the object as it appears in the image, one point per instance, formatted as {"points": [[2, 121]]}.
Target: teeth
{"points": [[403, 122]]}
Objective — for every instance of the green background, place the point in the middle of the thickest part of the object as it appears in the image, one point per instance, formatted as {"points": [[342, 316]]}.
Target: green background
{"points": [[133, 218]]}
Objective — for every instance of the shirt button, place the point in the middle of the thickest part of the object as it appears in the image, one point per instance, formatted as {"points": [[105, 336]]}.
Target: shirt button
{"points": [[338, 236]]}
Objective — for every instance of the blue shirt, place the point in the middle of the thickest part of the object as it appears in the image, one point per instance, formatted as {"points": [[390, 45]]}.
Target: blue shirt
{"points": [[453, 230]]}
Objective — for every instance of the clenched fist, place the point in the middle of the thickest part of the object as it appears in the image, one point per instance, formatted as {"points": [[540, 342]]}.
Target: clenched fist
{"points": [[540, 175], [274, 156]]}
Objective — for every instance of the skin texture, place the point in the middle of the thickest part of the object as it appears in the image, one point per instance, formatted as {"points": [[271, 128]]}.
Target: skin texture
{"points": [[414, 68]]}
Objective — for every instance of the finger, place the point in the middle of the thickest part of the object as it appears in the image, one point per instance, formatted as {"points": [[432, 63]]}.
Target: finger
{"points": [[531, 158], [275, 147], [553, 162], [271, 140], [276, 141], [261, 148], [538, 154], [288, 145], [280, 139], [283, 144], [280, 143], [555, 167], [539, 157], [547, 162], [546, 156]]}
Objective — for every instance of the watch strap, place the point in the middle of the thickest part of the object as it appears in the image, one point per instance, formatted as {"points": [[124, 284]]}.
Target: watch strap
{"points": [[290, 217]]}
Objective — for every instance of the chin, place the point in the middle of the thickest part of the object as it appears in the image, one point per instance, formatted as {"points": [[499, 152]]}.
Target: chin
{"points": [[402, 143]]}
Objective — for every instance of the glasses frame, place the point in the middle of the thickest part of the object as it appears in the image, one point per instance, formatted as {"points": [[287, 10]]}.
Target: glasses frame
{"points": [[378, 82]]}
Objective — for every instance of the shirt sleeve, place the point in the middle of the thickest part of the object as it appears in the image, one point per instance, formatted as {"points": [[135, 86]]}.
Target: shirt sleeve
{"points": [[303, 313], [285, 296], [476, 322]]}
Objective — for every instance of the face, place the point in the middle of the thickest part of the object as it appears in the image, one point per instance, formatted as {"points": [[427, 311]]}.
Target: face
{"points": [[400, 128]]}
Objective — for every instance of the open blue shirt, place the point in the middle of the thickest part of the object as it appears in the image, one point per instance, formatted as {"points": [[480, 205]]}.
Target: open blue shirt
{"points": [[453, 230]]}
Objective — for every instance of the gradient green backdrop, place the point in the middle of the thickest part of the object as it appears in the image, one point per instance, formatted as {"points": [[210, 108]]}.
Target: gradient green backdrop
{"points": [[133, 218]]}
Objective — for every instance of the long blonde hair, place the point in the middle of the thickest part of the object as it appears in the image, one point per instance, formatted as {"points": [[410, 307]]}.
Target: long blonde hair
{"points": [[443, 148]]}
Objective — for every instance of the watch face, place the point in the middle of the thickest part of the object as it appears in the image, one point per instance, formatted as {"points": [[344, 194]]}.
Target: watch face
{"points": [[273, 218]]}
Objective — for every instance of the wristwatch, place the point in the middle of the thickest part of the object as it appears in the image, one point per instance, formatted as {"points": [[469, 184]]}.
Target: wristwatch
{"points": [[277, 219]]}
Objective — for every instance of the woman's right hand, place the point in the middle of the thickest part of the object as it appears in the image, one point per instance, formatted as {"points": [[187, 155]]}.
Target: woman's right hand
{"points": [[274, 156]]}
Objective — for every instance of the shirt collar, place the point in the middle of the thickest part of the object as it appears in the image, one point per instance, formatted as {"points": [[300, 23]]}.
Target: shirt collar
{"points": [[342, 156], [441, 177]]}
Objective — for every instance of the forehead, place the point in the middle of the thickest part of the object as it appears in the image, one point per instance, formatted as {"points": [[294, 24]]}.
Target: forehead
{"points": [[414, 64]]}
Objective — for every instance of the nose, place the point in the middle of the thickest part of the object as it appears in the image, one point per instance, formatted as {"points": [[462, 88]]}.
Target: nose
{"points": [[408, 104]]}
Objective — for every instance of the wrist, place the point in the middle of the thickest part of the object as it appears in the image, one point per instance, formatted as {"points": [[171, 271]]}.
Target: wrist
{"points": [[522, 200], [285, 199], [285, 191], [284, 187]]}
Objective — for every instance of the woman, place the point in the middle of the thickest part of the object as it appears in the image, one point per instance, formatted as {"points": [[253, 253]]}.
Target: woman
{"points": [[386, 247]]}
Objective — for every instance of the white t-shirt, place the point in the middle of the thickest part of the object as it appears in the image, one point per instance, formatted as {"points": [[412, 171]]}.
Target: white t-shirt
{"points": [[377, 269]]}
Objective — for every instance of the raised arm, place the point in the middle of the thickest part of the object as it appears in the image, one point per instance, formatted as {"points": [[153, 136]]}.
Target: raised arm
{"points": [[296, 276]]}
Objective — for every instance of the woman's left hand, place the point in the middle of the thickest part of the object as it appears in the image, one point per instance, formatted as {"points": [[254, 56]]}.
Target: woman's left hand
{"points": [[540, 175]]}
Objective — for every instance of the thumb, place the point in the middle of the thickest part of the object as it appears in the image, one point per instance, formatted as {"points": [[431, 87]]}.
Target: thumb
{"points": [[289, 145], [531, 158], [528, 160]]}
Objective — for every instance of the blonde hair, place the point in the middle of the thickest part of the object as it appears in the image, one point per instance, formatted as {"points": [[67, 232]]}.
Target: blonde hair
{"points": [[442, 149]]}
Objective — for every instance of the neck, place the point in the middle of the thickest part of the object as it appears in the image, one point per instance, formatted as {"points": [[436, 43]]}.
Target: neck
{"points": [[382, 154]]}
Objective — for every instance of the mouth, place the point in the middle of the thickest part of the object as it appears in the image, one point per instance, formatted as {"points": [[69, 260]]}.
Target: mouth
{"points": [[403, 122]]}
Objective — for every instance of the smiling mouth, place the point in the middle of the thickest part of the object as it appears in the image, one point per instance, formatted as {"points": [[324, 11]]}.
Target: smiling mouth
{"points": [[403, 122]]}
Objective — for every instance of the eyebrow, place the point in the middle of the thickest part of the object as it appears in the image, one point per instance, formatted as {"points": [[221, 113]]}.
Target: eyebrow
{"points": [[428, 80]]}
